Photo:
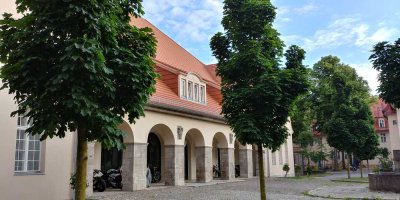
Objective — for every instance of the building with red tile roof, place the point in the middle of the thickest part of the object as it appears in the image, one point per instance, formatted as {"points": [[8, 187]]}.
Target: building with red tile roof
{"points": [[182, 137]]}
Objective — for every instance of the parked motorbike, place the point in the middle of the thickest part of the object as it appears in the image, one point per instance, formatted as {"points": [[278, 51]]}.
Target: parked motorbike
{"points": [[156, 175], [98, 182], [353, 168], [113, 178], [237, 171]]}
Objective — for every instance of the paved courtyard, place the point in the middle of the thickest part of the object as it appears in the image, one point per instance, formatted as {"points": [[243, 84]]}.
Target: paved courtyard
{"points": [[277, 188]]}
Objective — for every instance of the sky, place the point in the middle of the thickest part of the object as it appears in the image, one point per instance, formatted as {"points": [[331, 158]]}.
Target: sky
{"points": [[344, 28]]}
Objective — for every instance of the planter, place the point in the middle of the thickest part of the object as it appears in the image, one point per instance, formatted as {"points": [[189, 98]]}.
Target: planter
{"points": [[384, 181]]}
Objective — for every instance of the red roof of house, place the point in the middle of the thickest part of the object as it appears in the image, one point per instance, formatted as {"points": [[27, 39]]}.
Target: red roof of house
{"points": [[171, 60], [377, 110]]}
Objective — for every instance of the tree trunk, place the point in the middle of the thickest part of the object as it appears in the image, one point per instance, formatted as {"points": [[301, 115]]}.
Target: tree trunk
{"points": [[81, 165], [348, 165], [361, 164], [261, 168], [343, 161], [368, 165], [335, 160]]}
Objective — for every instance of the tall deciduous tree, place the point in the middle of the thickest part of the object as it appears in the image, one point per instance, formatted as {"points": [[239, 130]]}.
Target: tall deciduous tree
{"points": [[257, 93], [341, 100], [77, 66], [386, 59], [369, 150]]}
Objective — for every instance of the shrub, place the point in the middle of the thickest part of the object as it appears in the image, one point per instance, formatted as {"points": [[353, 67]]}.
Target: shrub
{"points": [[286, 168]]}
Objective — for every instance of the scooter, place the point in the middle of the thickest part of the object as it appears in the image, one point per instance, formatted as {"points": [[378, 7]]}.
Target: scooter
{"points": [[113, 178], [98, 182]]}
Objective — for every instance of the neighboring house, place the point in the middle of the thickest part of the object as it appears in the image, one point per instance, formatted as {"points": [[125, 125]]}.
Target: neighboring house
{"points": [[183, 135], [385, 124], [393, 116], [381, 125]]}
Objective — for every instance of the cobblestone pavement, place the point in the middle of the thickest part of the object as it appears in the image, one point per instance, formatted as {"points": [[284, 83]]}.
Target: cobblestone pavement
{"points": [[277, 189]]}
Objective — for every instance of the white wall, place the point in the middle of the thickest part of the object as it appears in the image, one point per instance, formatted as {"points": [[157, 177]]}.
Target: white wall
{"points": [[53, 183]]}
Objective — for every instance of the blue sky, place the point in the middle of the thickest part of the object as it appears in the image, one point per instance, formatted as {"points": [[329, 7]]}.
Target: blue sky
{"points": [[345, 28]]}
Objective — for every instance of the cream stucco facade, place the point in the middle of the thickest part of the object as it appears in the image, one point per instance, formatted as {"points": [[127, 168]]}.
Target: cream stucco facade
{"points": [[202, 135]]}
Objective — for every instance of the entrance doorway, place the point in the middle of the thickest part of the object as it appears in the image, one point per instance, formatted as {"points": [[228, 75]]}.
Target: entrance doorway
{"points": [[186, 162], [154, 156]]}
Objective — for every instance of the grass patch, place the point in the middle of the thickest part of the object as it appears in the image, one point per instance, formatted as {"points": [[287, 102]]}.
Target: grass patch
{"points": [[352, 180], [311, 176]]}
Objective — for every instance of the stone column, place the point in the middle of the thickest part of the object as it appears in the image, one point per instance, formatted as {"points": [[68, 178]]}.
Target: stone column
{"points": [[127, 167], [246, 163], [89, 169], [255, 162], [227, 163], [174, 165], [203, 164], [134, 166]]}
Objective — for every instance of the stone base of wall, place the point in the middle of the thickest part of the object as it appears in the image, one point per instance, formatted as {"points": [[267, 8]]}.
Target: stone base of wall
{"points": [[384, 182]]}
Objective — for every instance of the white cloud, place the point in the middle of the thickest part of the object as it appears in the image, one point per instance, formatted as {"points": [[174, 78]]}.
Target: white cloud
{"points": [[187, 19], [346, 31], [369, 74], [306, 9]]}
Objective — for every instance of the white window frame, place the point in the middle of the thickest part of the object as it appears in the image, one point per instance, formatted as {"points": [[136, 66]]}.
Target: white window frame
{"points": [[183, 88], [381, 123], [280, 156], [202, 94], [192, 88], [273, 158], [383, 138], [26, 149]]}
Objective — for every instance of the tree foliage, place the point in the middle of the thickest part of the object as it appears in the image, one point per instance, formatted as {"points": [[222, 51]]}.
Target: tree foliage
{"points": [[386, 59], [77, 66], [341, 99], [71, 63], [257, 92]]}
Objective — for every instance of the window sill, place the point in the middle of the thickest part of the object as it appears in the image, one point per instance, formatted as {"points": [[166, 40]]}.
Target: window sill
{"points": [[28, 173]]}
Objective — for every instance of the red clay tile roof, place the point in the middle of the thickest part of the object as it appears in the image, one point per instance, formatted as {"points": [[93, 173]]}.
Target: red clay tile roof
{"points": [[377, 110], [171, 59], [389, 110], [173, 55]]}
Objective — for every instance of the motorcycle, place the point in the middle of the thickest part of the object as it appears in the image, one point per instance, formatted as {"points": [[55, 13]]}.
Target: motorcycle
{"points": [[237, 171], [113, 178], [156, 175], [98, 182]]}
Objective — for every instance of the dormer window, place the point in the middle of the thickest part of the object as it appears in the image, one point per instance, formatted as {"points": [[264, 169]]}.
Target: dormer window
{"points": [[192, 88], [183, 88], [381, 123]]}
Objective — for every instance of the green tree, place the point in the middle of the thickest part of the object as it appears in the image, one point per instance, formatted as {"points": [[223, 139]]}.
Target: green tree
{"points": [[369, 150], [385, 59], [77, 66], [257, 92], [342, 106]]}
